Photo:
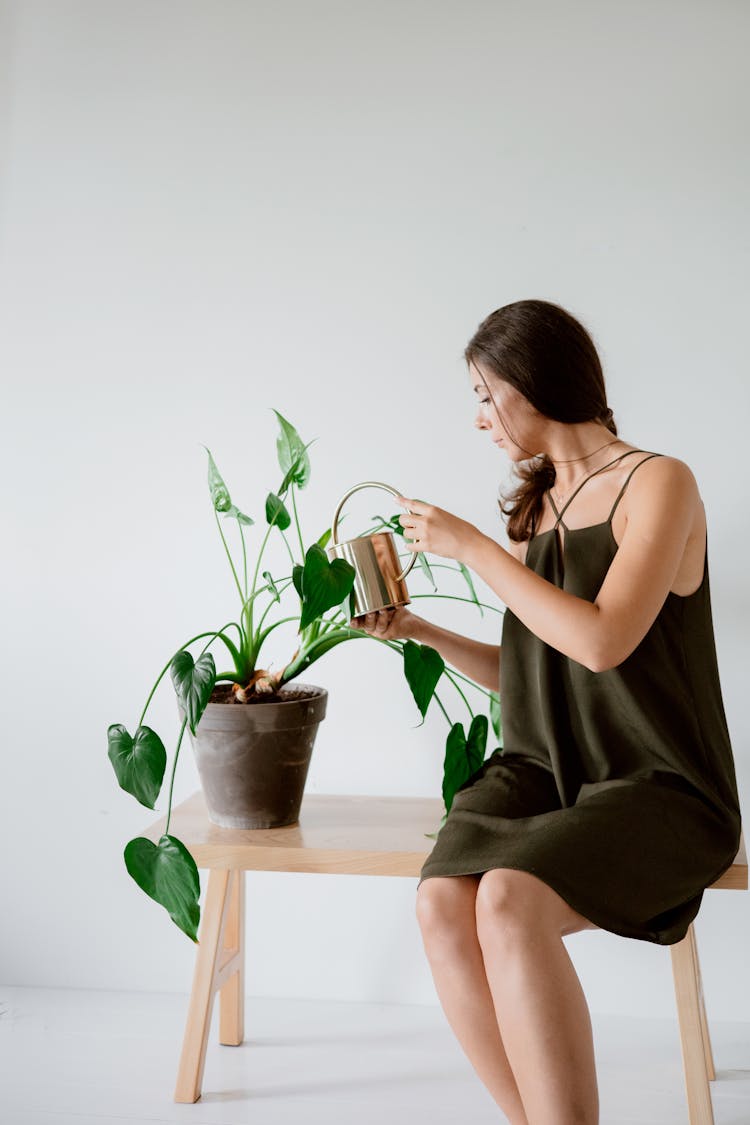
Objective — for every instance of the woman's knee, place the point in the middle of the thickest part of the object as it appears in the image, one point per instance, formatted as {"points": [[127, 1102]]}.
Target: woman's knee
{"points": [[446, 903], [511, 902]]}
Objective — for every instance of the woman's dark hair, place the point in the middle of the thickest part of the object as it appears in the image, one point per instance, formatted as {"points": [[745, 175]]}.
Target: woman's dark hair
{"points": [[547, 355]]}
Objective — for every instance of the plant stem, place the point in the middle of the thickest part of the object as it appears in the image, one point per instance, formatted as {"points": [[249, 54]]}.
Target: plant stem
{"points": [[436, 697], [179, 742], [244, 554], [296, 519], [226, 548], [262, 635], [289, 549], [273, 601], [251, 637], [458, 689], [454, 672], [174, 767], [165, 669], [456, 598]]}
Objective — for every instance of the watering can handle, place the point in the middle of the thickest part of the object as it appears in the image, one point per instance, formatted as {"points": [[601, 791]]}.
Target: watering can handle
{"points": [[355, 488]]}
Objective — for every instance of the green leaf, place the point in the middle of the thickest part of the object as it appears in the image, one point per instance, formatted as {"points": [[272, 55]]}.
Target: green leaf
{"points": [[423, 667], [276, 512], [297, 572], [464, 570], [274, 589], [324, 537], [168, 874], [324, 584], [292, 454], [193, 682], [476, 743], [234, 513], [422, 560], [454, 768], [295, 466], [347, 606], [219, 491], [463, 756], [138, 762]]}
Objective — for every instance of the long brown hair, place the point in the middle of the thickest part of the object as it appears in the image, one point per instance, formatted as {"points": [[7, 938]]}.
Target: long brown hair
{"points": [[548, 356]]}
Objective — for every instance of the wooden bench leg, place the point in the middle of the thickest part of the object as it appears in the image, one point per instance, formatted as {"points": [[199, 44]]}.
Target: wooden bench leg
{"points": [[216, 968], [232, 993], [710, 1069], [696, 1047]]}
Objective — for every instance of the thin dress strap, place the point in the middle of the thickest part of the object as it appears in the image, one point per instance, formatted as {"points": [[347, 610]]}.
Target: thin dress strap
{"points": [[588, 478], [627, 481]]}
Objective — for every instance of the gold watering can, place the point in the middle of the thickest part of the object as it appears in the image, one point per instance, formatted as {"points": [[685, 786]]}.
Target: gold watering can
{"points": [[378, 584]]}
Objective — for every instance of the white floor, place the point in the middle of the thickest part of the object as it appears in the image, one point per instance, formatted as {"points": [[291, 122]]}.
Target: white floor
{"points": [[71, 1057]]}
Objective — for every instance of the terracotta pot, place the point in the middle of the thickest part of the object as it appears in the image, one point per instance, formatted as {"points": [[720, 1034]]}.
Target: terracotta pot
{"points": [[253, 758]]}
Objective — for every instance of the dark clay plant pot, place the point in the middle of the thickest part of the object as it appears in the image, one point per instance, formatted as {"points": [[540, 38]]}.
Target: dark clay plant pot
{"points": [[253, 757]]}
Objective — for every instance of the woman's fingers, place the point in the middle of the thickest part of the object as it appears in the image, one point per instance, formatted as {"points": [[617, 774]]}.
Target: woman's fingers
{"points": [[376, 621], [392, 624]]}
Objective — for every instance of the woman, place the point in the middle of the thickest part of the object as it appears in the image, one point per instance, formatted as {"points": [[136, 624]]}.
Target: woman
{"points": [[613, 803]]}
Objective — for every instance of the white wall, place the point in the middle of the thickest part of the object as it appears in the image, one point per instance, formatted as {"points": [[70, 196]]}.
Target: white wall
{"points": [[212, 209]]}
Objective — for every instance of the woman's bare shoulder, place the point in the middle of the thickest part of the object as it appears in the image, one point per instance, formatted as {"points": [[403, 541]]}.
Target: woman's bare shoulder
{"points": [[663, 474]]}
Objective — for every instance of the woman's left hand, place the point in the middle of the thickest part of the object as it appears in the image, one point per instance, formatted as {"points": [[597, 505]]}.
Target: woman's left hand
{"points": [[429, 528]]}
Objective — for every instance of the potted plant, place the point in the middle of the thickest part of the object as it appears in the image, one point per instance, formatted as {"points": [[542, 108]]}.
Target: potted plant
{"points": [[252, 728]]}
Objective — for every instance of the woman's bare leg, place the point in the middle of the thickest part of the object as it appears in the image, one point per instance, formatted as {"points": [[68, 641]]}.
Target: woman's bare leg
{"points": [[446, 910], [538, 999]]}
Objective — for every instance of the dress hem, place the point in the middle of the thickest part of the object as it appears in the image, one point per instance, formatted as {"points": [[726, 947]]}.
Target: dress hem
{"points": [[591, 915]]}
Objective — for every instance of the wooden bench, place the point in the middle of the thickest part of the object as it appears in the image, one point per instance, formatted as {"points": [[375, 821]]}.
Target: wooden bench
{"points": [[356, 835]]}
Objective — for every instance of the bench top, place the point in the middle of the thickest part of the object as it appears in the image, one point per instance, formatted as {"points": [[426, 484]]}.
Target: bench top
{"points": [[337, 833]]}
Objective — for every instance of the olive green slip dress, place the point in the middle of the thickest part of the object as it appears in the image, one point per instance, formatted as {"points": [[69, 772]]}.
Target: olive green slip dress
{"points": [[616, 788]]}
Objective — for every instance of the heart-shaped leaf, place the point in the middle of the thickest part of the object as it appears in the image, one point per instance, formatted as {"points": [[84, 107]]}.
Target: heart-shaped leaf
{"points": [[423, 667], [292, 454], [463, 756], [454, 768], [168, 874], [297, 572], [476, 743], [193, 682], [276, 512], [347, 606], [219, 491], [139, 762], [324, 583]]}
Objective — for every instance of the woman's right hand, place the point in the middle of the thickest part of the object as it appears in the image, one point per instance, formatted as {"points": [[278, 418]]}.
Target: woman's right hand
{"points": [[391, 624]]}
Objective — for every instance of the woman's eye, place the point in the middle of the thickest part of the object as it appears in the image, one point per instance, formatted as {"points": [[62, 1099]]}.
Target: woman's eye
{"points": [[483, 401]]}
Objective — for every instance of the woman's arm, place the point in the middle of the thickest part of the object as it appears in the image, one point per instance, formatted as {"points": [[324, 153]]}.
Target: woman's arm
{"points": [[477, 660], [662, 501]]}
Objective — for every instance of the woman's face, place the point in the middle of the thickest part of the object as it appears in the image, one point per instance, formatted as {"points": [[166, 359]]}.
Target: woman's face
{"points": [[517, 430]]}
